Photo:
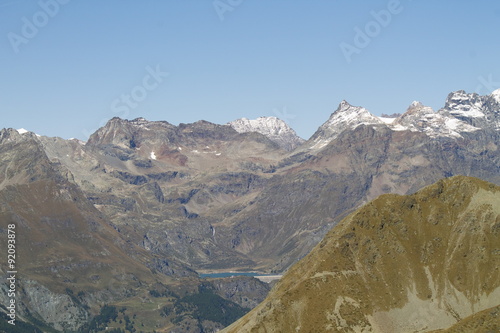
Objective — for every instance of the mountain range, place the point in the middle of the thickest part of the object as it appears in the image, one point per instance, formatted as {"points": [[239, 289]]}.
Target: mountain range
{"points": [[148, 203]]}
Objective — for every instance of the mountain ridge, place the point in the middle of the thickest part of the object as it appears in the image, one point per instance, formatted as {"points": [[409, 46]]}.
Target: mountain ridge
{"points": [[202, 196], [272, 127]]}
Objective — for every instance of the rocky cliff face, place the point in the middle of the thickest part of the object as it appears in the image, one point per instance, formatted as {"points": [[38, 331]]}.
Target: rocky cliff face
{"points": [[400, 263]]}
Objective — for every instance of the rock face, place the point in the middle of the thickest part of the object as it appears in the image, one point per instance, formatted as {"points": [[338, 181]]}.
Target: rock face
{"points": [[400, 263], [273, 128], [58, 310], [478, 111], [245, 291]]}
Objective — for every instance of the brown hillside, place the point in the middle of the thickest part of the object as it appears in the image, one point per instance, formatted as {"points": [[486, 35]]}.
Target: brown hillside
{"points": [[412, 263]]}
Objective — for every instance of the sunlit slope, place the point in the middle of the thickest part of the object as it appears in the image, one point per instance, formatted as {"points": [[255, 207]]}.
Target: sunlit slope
{"points": [[411, 263]]}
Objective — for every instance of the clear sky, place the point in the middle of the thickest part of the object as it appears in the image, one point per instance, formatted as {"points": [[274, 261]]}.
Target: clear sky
{"points": [[68, 66]]}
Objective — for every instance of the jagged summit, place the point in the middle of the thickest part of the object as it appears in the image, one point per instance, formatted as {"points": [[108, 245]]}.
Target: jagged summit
{"points": [[421, 118], [461, 104], [345, 117], [462, 113], [479, 111], [273, 128], [415, 105]]}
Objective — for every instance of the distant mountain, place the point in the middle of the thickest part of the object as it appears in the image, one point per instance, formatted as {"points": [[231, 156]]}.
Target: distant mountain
{"points": [[479, 111], [412, 263], [273, 128], [462, 113], [346, 117]]}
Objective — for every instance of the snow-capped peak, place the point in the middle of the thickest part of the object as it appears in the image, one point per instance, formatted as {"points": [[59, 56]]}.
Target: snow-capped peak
{"points": [[349, 115], [415, 105], [461, 104], [263, 125], [345, 117], [421, 118], [496, 95], [273, 128], [22, 131]]}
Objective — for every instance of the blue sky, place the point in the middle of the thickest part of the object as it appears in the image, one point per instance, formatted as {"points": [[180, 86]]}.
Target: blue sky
{"points": [[68, 66]]}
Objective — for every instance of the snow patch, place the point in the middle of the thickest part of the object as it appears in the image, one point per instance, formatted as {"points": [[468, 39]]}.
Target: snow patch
{"points": [[273, 128], [387, 120], [472, 113], [22, 131], [496, 95], [153, 155]]}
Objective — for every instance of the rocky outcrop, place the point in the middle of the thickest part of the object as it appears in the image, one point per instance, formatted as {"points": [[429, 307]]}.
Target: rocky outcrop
{"points": [[245, 291], [58, 310]]}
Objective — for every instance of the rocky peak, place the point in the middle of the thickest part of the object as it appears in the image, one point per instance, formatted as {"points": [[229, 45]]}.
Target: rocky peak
{"points": [[345, 117], [496, 95], [479, 111], [415, 105], [463, 105], [273, 128], [13, 135], [415, 114], [421, 118], [117, 132]]}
